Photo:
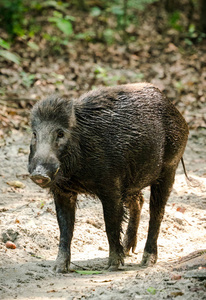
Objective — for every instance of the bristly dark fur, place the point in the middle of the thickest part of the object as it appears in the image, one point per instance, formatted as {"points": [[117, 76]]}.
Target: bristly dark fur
{"points": [[50, 110], [111, 142]]}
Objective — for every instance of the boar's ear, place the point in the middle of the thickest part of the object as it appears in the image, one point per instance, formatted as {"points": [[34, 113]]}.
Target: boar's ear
{"points": [[72, 118]]}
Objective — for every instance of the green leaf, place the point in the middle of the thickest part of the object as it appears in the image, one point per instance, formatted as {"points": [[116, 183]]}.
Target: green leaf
{"points": [[33, 46], [89, 272], [95, 12], [57, 14], [70, 18], [4, 44], [117, 10], [65, 26], [10, 56], [53, 19], [151, 290], [56, 4]]}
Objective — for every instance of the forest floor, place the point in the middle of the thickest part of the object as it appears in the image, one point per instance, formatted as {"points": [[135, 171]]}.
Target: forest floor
{"points": [[28, 220], [27, 213]]}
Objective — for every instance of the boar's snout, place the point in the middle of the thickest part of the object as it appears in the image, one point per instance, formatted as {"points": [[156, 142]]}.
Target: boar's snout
{"points": [[41, 180], [44, 175]]}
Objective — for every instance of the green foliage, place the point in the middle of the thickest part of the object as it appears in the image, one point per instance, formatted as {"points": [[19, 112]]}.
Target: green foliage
{"points": [[193, 35], [108, 78], [55, 42], [11, 18], [108, 36], [15, 21], [27, 79], [110, 22], [59, 78], [10, 56], [63, 23], [122, 12], [100, 72], [7, 54], [125, 13], [88, 36], [2, 91], [4, 44], [174, 21], [179, 86], [133, 4], [95, 11], [58, 5], [33, 46], [152, 290]]}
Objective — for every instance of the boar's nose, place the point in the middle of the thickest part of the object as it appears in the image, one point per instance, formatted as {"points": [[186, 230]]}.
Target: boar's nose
{"points": [[41, 180], [41, 176]]}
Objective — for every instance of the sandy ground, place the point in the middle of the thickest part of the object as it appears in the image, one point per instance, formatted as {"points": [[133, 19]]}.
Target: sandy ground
{"points": [[27, 218]]}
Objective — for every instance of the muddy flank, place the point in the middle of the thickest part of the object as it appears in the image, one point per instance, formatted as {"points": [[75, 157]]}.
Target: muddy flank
{"points": [[28, 220]]}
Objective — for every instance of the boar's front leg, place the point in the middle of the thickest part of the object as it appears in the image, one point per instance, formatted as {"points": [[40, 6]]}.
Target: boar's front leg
{"points": [[65, 209]]}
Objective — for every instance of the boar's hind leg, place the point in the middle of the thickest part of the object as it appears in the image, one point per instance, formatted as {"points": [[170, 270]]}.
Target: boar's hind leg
{"points": [[65, 209], [113, 216], [134, 203], [160, 192]]}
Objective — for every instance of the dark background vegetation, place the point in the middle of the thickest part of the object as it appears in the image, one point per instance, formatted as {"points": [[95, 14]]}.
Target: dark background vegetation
{"points": [[72, 46]]}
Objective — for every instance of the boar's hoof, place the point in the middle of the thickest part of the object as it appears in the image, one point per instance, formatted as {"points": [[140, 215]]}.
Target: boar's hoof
{"points": [[114, 262], [148, 259], [128, 247], [60, 267], [62, 263]]}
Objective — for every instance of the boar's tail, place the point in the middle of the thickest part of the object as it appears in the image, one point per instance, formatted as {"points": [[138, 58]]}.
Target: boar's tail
{"points": [[184, 168], [191, 181]]}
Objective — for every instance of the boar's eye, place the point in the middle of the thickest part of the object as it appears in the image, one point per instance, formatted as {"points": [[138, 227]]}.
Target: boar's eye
{"points": [[60, 134], [34, 135]]}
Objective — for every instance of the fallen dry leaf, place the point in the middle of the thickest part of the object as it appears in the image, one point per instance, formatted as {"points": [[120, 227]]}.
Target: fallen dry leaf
{"points": [[16, 184], [175, 276], [175, 294]]}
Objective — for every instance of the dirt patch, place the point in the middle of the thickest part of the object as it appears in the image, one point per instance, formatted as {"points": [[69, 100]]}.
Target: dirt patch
{"points": [[27, 218]]}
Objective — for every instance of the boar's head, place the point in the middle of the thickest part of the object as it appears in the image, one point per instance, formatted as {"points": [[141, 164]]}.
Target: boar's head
{"points": [[52, 121]]}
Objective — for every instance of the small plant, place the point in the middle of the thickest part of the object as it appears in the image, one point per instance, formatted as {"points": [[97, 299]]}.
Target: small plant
{"points": [[179, 86], [42, 204], [33, 46], [62, 23], [152, 290], [88, 36], [4, 44], [174, 21], [7, 54], [193, 35], [100, 72], [27, 79], [59, 78]]}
